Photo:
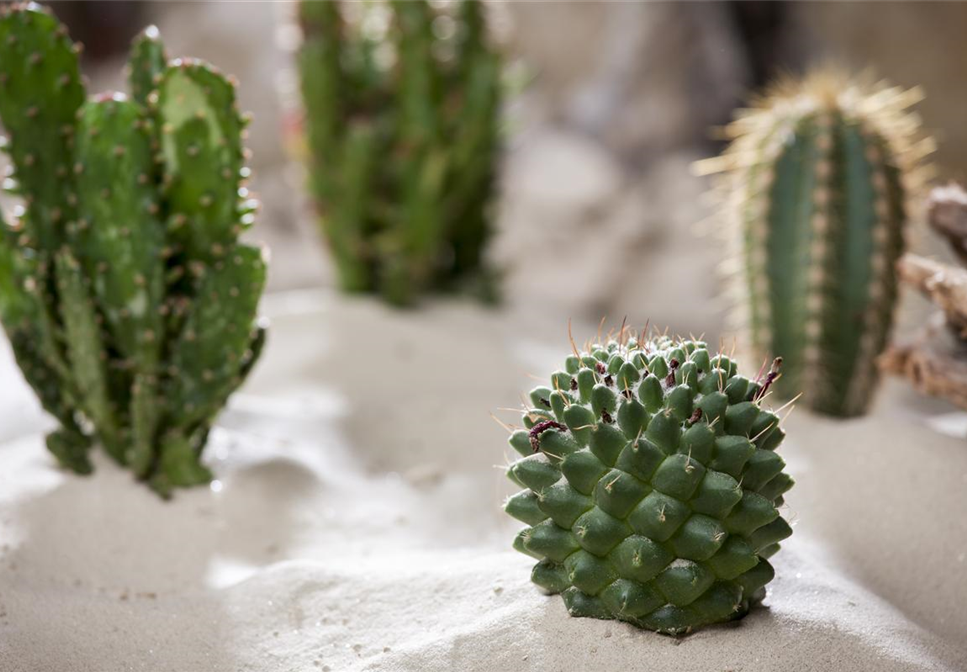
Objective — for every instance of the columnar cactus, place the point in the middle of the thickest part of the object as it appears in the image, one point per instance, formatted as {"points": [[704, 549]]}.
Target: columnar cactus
{"points": [[819, 176], [401, 111], [652, 484], [128, 300]]}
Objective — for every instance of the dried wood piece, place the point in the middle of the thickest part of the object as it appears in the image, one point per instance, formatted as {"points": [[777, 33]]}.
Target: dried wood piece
{"points": [[948, 216], [944, 285], [935, 363]]}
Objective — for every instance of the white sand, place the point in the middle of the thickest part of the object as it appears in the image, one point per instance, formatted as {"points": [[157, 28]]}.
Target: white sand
{"points": [[356, 526]]}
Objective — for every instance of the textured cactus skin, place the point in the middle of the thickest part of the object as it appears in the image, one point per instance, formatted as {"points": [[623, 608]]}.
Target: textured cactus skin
{"points": [[652, 485], [402, 156], [146, 63], [823, 171], [128, 300]]}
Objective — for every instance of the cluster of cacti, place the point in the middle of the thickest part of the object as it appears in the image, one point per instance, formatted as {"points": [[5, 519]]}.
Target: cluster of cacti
{"points": [[401, 116], [819, 177], [652, 484], [128, 300]]}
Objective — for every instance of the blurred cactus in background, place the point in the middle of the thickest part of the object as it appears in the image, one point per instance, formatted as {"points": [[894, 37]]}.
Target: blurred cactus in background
{"points": [[819, 176], [401, 113], [128, 300]]}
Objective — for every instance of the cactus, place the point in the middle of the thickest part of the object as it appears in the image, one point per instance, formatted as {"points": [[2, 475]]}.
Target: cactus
{"points": [[652, 485], [402, 136], [128, 300], [820, 173]]}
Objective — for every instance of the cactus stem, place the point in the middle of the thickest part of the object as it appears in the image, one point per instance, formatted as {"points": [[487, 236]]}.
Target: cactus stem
{"points": [[821, 170], [95, 276]]}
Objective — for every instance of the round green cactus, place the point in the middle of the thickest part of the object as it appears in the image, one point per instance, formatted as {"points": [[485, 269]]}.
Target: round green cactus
{"points": [[652, 485]]}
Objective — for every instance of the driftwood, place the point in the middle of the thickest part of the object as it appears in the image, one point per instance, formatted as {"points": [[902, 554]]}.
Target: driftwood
{"points": [[948, 217], [935, 362], [944, 285]]}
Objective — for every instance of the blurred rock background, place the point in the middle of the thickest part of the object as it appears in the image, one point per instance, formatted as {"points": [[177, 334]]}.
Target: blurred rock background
{"points": [[599, 212]]}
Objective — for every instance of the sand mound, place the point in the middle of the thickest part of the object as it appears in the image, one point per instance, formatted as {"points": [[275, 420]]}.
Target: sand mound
{"points": [[345, 534]]}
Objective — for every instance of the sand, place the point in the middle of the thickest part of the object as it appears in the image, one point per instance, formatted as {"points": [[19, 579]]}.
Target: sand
{"points": [[355, 525]]}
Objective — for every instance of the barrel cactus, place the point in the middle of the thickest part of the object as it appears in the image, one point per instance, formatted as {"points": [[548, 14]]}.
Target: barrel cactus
{"points": [[819, 177], [127, 297], [401, 116], [652, 484]]}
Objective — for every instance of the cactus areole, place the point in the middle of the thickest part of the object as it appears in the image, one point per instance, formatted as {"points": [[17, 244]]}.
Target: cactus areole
{"points": [[129, 302], [652, 485], [402, 105], [817, 186]]}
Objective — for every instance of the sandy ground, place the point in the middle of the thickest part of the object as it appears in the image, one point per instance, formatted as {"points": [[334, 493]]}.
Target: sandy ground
{"points": [[355, 525]]}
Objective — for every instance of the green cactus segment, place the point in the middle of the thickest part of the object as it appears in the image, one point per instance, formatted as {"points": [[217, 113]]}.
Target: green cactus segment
{"points": [[220, 341], [180, 464], [147, 62], [29, 326], [321, 52], [474, 154], [88, 360], [118, 230], [26, 321], [71, 448], [664, 520], [822, 174], [829, 258], [216, 337], [418, 78], [145, 417], [202, 155], [17, 305], [346, 220], [254, 353], [129, 302], [403, 138], [40, 93]]}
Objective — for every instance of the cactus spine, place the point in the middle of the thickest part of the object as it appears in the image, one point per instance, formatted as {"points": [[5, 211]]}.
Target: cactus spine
{"points": [[820, 174], [651, 484], [403, 137], [128, 300]]}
